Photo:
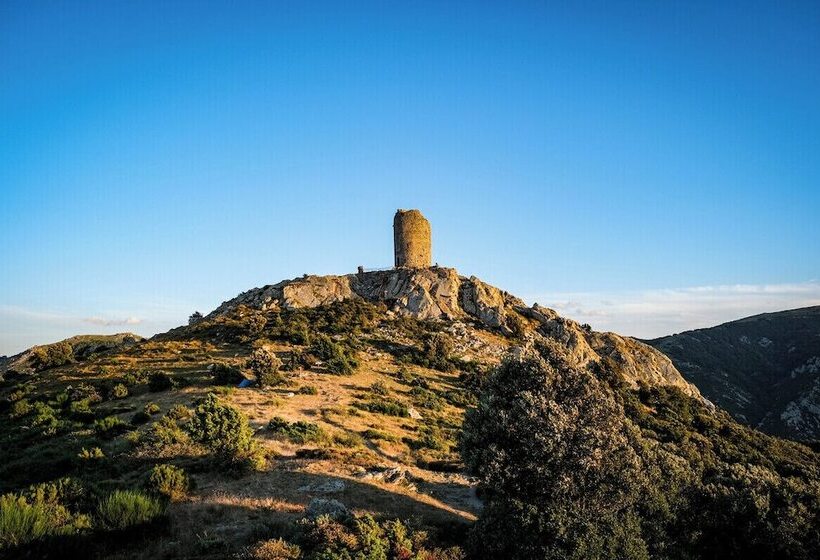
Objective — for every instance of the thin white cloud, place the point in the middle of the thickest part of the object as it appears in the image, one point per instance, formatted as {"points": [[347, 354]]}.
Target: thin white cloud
{"points": [[653, 313], [113, 322]]}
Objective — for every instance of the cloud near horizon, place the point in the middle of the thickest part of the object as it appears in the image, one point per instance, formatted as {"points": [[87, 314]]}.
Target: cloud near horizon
{"points": [[113, 322], [660, 312]]}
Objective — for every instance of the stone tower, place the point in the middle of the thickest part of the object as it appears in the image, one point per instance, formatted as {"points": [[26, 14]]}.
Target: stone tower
{"points": [[411, 239]]}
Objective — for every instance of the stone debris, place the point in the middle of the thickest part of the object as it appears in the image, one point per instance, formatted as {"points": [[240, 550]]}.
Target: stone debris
{"points": [[332, 486], [322, 506]]}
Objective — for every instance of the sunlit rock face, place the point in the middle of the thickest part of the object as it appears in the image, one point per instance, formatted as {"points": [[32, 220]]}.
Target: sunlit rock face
{"points": [[439, 293]]}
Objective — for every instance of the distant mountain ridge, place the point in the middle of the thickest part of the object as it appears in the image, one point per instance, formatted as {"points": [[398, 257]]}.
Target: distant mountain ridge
{"points": [[764, 369]]}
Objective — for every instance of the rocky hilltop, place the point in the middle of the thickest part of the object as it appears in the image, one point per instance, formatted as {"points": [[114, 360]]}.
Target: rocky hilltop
{"points": [[764, 370], [438, 293]]}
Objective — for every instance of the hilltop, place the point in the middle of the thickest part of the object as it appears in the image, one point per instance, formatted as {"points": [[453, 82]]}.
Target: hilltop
{"points": [[764, 369]]}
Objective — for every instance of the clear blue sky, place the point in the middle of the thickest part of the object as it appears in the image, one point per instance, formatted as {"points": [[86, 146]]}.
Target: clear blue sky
{"points": [[157, 158]]}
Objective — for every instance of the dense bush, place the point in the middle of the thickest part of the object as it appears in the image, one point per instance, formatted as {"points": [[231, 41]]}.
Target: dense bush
{"points": [[308, 390], [169, 481], [297, 432], [179, 412], [51, 355], [574, 464], [337, 357], [165, 434], [224, 430], [45, 419], [160, 381], [364, 538], [425, 398], [119, 391], [438, 347], [384, 405], [431, 437], [124, 509], [265, 366], [224, 374]]}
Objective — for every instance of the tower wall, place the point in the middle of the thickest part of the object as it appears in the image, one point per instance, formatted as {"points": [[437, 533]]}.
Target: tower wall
{"points": [[411, 240]]}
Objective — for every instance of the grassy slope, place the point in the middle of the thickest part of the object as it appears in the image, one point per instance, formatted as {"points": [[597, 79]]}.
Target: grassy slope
{"points": [[229, 509]]}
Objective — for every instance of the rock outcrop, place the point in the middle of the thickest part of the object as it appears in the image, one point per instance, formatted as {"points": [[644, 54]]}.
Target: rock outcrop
{"points": [[438, 293]]}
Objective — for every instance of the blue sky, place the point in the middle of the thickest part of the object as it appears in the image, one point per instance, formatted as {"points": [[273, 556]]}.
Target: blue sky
{"points": [[643, 166]]}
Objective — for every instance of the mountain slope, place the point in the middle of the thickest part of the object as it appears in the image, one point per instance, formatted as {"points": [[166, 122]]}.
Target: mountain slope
{"points": [[764, 370], [360, 406]]}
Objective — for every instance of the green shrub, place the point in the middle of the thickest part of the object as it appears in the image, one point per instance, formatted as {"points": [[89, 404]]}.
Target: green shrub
{"points": [[460, 398], [109, 427], [160, 381], [81, 411], [431, 437], [425, 398], [362, 537], [338, 358], [138, 377], [224, 374], [179, 412], [151, 408], [119, 391], [84, 392], [372, 434], [265, 366], [166, 433], [45, 419], [379, 388], [298, 432], [169, 481], [438, 348], [350, 440], [308, 390], [385, 406], [51, 355], [225, 431], [530, 440], [20, 408], [123, 509], [24, 520], [297, 330]]}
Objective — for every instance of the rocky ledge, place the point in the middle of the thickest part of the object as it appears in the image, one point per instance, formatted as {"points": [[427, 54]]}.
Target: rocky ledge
{"points": [[424, 293], [438, 293]]}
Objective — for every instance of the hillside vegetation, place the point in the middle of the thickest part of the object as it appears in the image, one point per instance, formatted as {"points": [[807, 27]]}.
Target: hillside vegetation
{"points": [[335, 431]]}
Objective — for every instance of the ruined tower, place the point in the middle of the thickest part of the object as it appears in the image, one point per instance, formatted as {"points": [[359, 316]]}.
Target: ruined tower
{"points": [[411, 239]]}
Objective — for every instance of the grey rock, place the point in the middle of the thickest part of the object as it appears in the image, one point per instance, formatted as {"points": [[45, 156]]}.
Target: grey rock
{"points": [[322, 506]]}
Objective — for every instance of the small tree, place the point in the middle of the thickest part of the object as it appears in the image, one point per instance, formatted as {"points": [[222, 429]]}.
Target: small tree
{"points": [[225, 431], [169, 481]]}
